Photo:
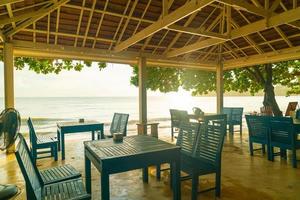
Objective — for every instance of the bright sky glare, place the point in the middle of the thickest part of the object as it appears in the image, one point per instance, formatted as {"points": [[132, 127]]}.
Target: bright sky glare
{"points": [[90, 82]]}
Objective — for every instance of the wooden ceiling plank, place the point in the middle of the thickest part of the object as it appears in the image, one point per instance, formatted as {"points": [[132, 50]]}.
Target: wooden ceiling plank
{"points": [[36, 16], [48, 28], [8, 2], [279, 19], [34, 33], [185, 10], [89, 23], [99, 24], [281, 33], [144, 12]]}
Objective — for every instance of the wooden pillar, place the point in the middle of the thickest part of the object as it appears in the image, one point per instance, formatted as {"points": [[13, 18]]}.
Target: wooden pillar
{"points": [[142, 94], [220, 87], [8, 59]]}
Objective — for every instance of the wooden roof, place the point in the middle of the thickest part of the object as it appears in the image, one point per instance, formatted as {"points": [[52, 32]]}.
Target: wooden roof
{"points": [[194, 33]]}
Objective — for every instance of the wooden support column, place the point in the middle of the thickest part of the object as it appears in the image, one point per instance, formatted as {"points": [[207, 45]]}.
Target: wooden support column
{"points": [[220, 87], [8, 59], [142, 95]]}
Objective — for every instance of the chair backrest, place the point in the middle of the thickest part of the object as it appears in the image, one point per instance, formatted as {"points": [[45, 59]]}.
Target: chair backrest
{"points": [[187, 137], [258, 126], [227, 111], [282, 131], [237, 114], [266, 110], [32, 133], [210, 139], [291, 107], [178, 117], [119, 123], [29, 170]]}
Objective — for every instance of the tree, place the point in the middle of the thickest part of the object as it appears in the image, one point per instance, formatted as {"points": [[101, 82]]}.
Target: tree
{"points": [[251, 79]]}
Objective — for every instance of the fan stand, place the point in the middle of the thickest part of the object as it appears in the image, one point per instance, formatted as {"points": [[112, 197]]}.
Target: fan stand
{"points": [[7, 191]]}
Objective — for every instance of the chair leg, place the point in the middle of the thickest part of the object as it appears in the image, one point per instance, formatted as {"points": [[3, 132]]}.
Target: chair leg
{"points": [[218, 184], [251, 148], [263, 148], [55, 152], [272, 153], [294, 158], [158, 172], [241, 129], [195, 183], [172, 132]]}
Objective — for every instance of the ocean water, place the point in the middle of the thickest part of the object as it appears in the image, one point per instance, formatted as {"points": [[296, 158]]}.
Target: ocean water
{"points": [[47, 111]]}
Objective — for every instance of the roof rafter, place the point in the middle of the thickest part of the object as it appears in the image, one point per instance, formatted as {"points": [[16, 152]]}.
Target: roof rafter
{"points": [[282, 18], [45, 10], [185, 10], [6, 2], [246, 7]]}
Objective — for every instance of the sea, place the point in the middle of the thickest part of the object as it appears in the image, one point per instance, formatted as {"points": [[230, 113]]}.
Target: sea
{"points": [[47, 111]]}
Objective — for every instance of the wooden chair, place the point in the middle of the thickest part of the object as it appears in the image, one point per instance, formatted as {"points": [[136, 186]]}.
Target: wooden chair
{"points": [[54, 174], [283, 136], [41, 142], [234, 117], [118, 125], [291, 107], [201, 153], [258, 129], [177, 117], [36, 190]]}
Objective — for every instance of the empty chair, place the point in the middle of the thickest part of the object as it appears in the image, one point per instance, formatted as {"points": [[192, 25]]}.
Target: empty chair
{"points": [[291, 107], [35, 190], [203, 153], [234, 117], [41, 142], [177, 117], [283, 136], [258, 129], [118, 125], [55, 174]]}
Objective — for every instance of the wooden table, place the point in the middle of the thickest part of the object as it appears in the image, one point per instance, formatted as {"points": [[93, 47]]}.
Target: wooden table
{"points": [[76, 127], [134, 152]]}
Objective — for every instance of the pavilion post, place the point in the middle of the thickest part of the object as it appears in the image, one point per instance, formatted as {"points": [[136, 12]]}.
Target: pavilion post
{"points": [[9, 97], [220, 87], [142, 96], [8, 59]]}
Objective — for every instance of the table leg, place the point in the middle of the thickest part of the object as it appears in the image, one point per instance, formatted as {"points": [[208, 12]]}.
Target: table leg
{"points": [[104, 186], [145, 175], [62, 145], [93, 135], [158, 168], [58, 140], [176, 180], [88, 181]]}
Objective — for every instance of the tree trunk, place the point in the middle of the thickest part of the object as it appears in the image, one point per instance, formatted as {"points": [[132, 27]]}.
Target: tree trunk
{"points": [[269, 96]]}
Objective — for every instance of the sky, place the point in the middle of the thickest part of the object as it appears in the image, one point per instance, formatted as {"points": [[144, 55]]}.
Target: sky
{"points": [[90, 82]]}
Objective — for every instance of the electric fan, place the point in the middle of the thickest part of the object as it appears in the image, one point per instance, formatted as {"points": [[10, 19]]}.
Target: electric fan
{"points": [[9, 128]]}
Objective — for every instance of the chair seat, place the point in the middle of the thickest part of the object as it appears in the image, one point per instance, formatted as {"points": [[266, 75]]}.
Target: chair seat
{"points": [[46, 139], [60, 173], [191, 164], [72, 189]]}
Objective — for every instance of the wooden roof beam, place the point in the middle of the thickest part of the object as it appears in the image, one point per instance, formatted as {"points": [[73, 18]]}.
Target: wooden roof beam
{"points": [[282, 18], [6, 2], [185, 10], [246, 7], [45, 10], [271, 57], [195, 31]]}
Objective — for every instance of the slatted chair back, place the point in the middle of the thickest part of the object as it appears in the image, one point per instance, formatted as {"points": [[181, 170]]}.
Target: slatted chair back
{"points": [[178, 117], [210, 139], [187, 137], [119, 123], [237, 115], [291, 107], [258, 126], [29, 170], [266, 110], [282, 131], [32, 133]]}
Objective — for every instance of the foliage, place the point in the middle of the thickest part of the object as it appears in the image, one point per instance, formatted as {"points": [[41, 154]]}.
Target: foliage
{"points": [[251, 79]]}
